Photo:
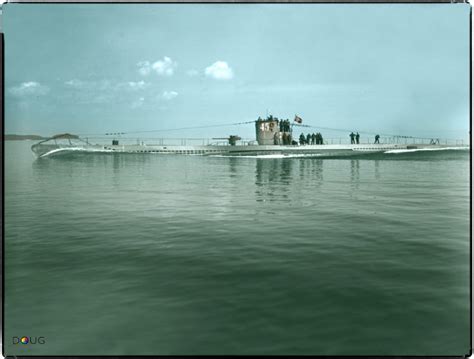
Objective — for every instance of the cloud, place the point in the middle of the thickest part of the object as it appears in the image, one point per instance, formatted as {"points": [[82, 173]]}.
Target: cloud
{"points": [[219, 70], [100, 85], [144, 68], [192, 72], [165, 67], [138, 103], [75, 83], [29, 88], [169, 95], [106, 85], [139, 85]]}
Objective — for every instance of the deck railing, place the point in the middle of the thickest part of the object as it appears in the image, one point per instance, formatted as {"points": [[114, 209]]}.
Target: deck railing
{"points": [[168, 141], [399, 140]]}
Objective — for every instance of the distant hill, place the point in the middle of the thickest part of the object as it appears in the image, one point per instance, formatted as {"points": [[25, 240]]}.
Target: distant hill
{"points": [[23, 137]]}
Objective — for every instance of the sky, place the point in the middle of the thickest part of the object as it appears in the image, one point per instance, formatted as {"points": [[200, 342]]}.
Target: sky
{"points": [[92, 69]]}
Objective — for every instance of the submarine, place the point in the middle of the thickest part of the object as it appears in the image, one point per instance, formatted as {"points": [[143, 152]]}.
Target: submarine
{"points": [[273, 137]]}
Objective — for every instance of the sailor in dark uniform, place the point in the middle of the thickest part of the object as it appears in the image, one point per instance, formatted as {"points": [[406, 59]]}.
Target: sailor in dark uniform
{"points": [[377, 139], [302, 139], [352, 137]]}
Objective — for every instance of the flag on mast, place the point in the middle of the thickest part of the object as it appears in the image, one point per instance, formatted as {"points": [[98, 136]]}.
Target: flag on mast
{"points": [[298, 119]]}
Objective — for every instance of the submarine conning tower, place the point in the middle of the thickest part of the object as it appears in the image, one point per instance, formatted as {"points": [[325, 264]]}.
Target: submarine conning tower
{"points": [[272, 131]]}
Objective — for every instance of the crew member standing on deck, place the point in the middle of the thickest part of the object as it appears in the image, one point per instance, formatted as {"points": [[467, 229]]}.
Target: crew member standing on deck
{"points": [[352, 137], [276, 138], [377, 139], [357, 137], [302, 139]]}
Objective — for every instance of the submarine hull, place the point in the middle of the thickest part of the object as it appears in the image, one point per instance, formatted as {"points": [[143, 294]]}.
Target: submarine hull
{"points": [[42, 150]]}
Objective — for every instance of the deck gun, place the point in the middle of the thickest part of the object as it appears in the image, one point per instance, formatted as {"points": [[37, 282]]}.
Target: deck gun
{"points": [[232, 139]]}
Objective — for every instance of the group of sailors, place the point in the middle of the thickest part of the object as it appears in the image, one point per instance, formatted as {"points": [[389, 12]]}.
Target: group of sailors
{"points": [[284, 125], [355, 137], [311, 139], [283, 138]]}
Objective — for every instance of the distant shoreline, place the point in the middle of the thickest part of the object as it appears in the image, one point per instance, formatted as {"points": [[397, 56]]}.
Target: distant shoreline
{"points": [[23, 137]]}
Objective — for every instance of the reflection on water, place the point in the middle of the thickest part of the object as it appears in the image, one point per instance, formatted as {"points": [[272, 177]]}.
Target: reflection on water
{"points": [[313, 168], [355, 174], [118, 162], [77, 165], [277, 179], [272, 179], [355, 170], [233, 163], [376, 168]]}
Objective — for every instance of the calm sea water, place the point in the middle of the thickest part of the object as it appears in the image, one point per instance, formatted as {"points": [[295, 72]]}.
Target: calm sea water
{"points": [[148, 254]]}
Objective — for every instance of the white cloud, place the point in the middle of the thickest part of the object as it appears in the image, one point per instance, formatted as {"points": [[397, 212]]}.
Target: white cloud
{"points": [[29, 88], [106, 85], [144, 68], [219, 70], [138, 103], [165, 67], [169, 95], [74, 83], [139, 85], [192, 72]]}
